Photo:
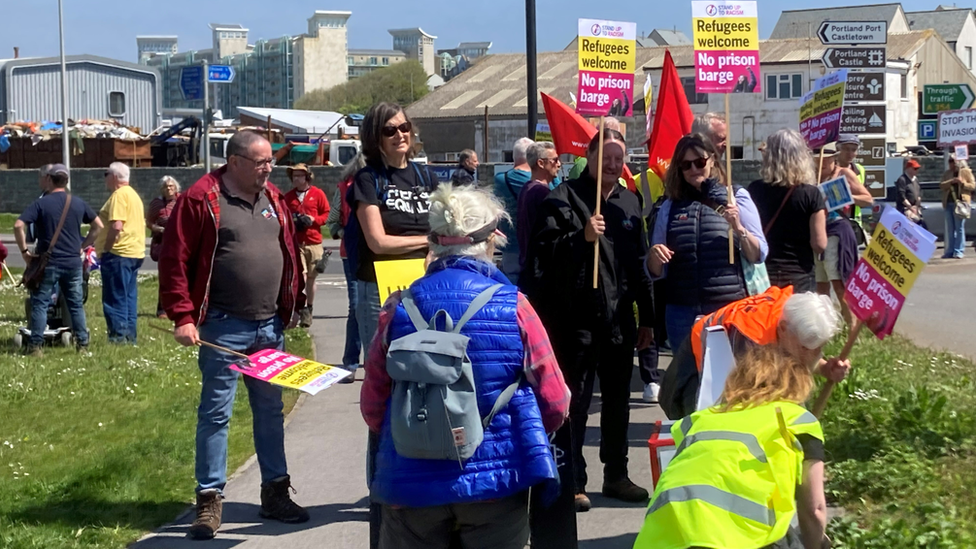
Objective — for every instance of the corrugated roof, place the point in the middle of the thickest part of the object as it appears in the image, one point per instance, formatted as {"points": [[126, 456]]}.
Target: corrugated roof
{"points": [[311, 122], [670, 37], [474, 45], [948, 23], [499, 80], [803, 23]]}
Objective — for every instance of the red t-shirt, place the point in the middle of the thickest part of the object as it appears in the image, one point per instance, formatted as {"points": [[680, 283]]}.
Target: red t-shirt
{"points": [[314, 204]]}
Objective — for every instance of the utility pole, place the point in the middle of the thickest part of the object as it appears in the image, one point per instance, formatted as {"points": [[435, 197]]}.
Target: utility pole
{"points": [[531, 85], [65, 149], [206, 117]]}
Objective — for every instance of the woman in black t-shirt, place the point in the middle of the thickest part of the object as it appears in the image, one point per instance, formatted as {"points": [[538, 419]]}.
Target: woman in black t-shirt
{"points": [[390, 199], [792, 211]]}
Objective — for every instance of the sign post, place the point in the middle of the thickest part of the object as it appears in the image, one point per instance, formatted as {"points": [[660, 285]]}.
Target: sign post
{"points": [[726, 38], [853, 32], [855, 58]]}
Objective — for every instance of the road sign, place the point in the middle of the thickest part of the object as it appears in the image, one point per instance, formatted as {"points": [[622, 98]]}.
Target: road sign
{"points": [[928, 130], [221, 74], [864, 119], [872, 153], [874, 180], [855, 58], [946, 97], [853, 32], [957, 127], [191, 83], [865, 87]]}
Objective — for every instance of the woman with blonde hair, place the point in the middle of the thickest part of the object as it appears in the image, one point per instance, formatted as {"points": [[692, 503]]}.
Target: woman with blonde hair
{"points": [[160, 209], [515, 377], [746, 466], [690, 239], [792, 211]]}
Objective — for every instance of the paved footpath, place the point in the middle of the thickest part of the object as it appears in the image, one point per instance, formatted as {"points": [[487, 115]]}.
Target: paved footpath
{"points": [[325, 441]]}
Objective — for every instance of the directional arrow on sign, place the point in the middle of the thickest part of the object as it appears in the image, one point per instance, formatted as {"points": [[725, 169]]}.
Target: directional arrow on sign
{"points": [[853, 32], [855, 58], [222, 74]]}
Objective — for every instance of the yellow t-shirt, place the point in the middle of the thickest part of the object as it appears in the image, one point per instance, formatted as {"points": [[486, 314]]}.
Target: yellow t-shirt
{"points": [[124, 205]]}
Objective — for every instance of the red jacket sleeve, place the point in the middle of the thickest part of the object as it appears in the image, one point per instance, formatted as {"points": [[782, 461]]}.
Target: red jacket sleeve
{"points": [[322, 215], [178, 260], [377, 385]]}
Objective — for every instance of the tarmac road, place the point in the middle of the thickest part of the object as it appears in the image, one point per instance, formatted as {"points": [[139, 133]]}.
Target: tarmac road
{"points": [[940, 311]]}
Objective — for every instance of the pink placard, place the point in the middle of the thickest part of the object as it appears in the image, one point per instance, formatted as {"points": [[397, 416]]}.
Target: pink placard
{"points": [[267, 364], [727, 72], [605, 94], [873, 300]]}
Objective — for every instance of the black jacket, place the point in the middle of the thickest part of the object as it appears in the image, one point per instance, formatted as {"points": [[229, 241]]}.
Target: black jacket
{"points": [[558, 272]]}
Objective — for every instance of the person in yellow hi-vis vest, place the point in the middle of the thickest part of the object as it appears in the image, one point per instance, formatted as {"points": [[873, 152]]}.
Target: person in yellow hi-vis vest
{"points": [[746, 466]]}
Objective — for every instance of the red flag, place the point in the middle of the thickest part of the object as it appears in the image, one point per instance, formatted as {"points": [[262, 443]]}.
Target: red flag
{"points": [[672, 119], [571, 133]]}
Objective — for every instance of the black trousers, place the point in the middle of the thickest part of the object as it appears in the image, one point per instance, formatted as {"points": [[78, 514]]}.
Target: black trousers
{"points": [[584, 355], [647, 360]]}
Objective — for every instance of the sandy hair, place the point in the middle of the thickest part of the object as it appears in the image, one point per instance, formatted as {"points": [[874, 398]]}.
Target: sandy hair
{"points": [[765, 374]]}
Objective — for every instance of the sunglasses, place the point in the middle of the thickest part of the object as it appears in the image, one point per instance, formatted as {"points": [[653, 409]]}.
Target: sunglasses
{"points": [[699, 163], [390, 131]]}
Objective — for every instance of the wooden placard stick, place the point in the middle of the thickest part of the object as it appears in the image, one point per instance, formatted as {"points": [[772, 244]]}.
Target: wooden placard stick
{"points": [[599, 198], [821, 402], [206, 344], [728, 178]]}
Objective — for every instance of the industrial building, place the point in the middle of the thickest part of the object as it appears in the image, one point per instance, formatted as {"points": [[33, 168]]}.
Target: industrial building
{"points": [[98, 88]]}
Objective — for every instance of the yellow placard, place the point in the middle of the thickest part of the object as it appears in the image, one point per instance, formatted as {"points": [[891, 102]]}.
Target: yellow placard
{"points": [[893, 260], [397, 274], [607, 55], [300, 374], [726, 33], [828, 99]]}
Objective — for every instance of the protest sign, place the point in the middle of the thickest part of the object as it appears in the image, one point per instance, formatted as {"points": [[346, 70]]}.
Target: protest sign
{"points": [[280, 368], [543, 133], [397, 274], [957, 128], [837, 193], [886, 272], [661, 446], [726, 39], [607, 62], [962, 152], [821, 108]]}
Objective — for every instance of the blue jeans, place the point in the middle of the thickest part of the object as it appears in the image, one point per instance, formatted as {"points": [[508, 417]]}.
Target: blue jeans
{"points": [[120, 296], [69, 283], [217, 398], [679, 319], [367, 312], [350, 356], [955, 234]]}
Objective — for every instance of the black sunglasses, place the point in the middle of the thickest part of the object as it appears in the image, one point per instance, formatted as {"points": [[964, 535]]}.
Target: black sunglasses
{"points": [[699, 163], [390, 131]]}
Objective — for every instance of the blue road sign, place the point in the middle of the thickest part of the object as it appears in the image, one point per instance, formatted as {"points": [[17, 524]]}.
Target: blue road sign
{"points": [[223, 74], [927, 130], [191, 83]]}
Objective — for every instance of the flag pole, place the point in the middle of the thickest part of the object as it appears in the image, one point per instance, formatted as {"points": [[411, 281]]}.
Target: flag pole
{"points": [[599, 197], [728, 178]]}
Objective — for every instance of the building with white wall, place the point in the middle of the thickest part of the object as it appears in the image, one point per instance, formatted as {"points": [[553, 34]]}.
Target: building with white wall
{"points": [[418, 45], [150, 46], [956, 26]]}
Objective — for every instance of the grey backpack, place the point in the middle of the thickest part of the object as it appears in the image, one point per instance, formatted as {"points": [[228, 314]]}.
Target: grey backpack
{"points": [[434, 407]]}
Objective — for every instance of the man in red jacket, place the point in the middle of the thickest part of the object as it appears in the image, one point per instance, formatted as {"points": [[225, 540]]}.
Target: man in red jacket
{"points": [[310, 209], [228, 275]]}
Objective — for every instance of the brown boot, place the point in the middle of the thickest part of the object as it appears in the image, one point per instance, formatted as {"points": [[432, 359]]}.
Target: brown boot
{"points": [[209, 508], [276, 503]]}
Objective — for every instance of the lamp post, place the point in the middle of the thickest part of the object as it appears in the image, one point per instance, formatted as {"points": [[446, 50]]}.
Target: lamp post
{"points": [[531, 85], [65, 150]]}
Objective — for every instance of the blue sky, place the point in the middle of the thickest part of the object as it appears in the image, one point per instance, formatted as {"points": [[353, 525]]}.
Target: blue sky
{"points": [[109, 27]]}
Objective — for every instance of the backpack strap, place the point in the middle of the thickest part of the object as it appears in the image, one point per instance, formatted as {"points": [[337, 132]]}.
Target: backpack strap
{"points": [[480, 301], [503, 399], [406, 297]]}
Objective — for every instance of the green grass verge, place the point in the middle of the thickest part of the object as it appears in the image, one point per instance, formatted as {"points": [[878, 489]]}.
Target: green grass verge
{"points": [[901, 439], [95, 451]]}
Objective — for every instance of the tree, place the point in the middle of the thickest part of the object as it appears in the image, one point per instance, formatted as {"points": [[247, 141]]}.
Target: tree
{"points": [[402, 83]]}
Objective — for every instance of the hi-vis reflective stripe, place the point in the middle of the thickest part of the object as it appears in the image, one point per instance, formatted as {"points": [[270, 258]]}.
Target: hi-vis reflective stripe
{"points": [[806, 419], [726, 501], [685, 426], [750, 440]]}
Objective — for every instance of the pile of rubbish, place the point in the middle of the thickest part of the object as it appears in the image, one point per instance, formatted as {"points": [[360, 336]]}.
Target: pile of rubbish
{"points": [[81, 129]]}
